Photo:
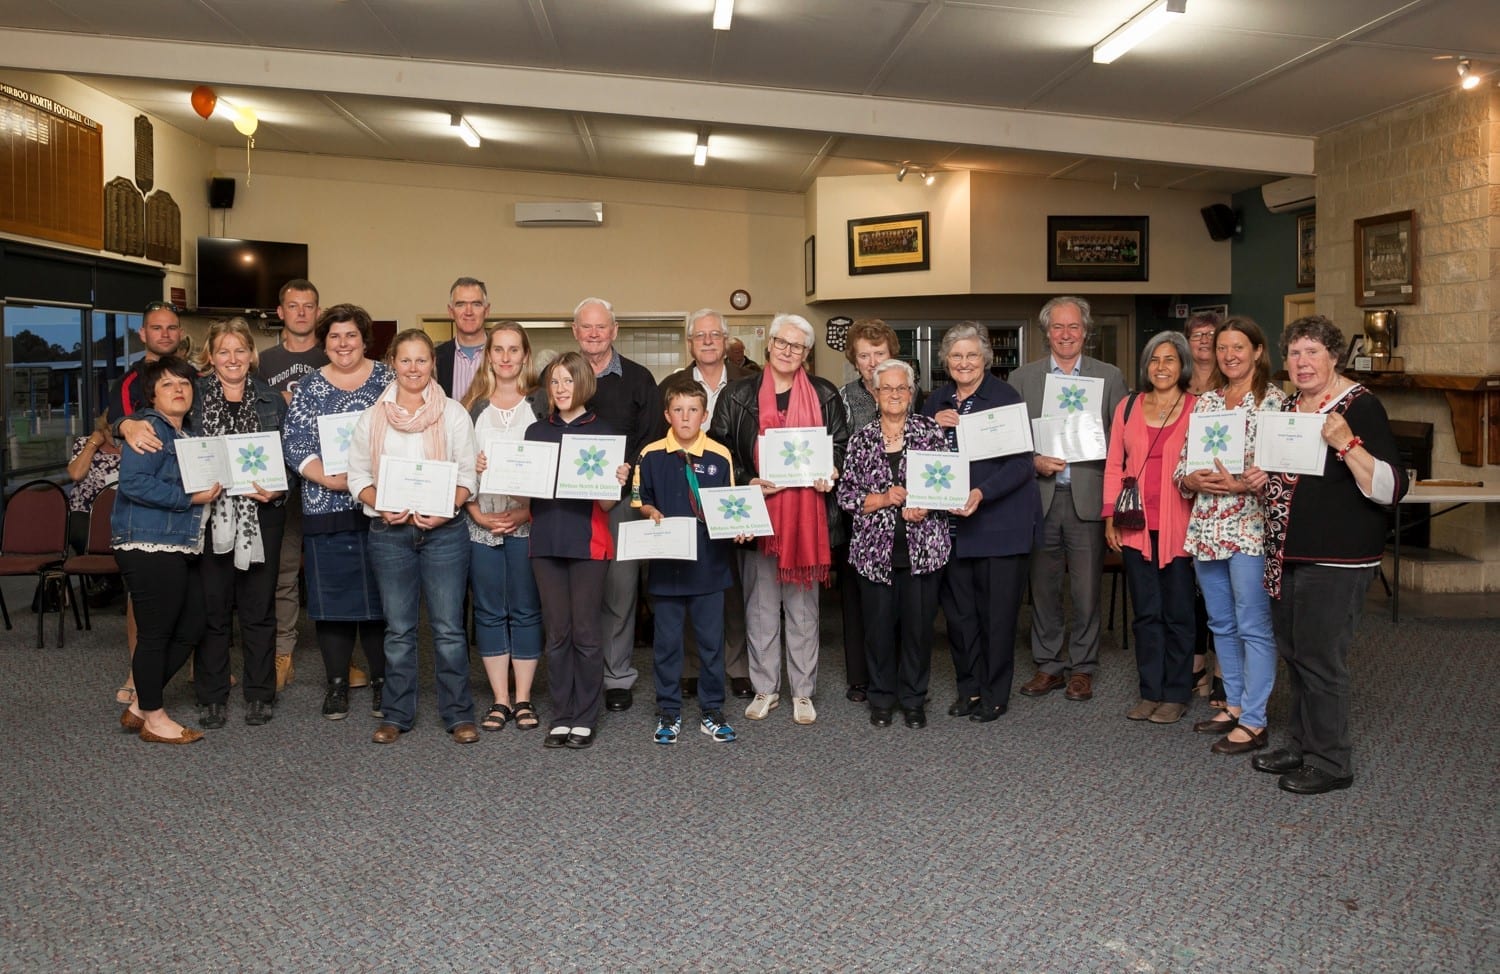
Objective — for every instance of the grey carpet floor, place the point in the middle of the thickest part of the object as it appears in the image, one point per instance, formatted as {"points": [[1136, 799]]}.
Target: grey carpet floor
{"points": [[1060, 838]]}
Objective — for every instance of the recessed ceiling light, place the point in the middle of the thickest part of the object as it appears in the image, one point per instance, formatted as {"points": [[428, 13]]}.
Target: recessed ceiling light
{"points": [[723, 13]]}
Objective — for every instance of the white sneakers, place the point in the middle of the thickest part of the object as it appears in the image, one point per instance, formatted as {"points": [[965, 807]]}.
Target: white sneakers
{"points": [[763, 704], [802, 710]]}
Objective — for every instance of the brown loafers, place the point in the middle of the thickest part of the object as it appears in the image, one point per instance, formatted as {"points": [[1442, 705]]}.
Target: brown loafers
{"points": [[1142, 710], [386, 734], [131, 722], [465, 733], [187, 736], [1043, 684], [1258, 739], [1080, 687], [1168, 713], [1216, 726]]}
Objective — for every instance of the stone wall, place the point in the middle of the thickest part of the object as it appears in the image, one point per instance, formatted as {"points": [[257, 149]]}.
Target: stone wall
{"points": [[1439, 157]]}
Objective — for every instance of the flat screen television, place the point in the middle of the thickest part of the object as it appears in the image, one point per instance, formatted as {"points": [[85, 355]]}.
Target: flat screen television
{"points": [[245, 275]]}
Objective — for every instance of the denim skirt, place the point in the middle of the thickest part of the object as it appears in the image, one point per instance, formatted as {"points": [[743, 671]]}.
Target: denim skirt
{"points": [[340, 584]]}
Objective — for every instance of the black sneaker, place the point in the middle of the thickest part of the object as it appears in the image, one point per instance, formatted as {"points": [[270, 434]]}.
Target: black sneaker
{"points": [[377, 695], [258, 712], [336, 700], [211, 716]]}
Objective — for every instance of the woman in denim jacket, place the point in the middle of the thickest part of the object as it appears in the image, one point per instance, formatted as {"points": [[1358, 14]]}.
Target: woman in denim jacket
{"points": [[157, 533], [898, 551]]}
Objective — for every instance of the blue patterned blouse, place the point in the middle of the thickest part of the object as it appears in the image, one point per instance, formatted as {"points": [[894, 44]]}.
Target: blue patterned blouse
{"points": [[316, 396]]}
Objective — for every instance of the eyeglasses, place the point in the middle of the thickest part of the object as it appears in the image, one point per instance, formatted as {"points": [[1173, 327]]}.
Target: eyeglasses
{"points": [[893, 390], [161, 306], [1201, 336], [782, 345], [707, 336]]}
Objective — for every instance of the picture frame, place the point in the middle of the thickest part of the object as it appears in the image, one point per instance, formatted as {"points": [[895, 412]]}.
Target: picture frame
{"points": [[1098, 248], [1307, 250], [1385, 259], [810, 266], [1352, 353], [1222, 310], [889, 244]]}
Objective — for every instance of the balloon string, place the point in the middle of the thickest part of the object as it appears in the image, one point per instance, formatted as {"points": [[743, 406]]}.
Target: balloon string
{"points": [[249, 144]]}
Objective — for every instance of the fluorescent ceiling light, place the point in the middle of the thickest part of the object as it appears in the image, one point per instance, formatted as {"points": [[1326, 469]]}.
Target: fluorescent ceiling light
{"points": [[700, 152], [466, 131], [723, 12], [1137, 29]]}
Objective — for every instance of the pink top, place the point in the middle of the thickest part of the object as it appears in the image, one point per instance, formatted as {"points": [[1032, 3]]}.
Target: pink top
{"points": [[1131, 441]]}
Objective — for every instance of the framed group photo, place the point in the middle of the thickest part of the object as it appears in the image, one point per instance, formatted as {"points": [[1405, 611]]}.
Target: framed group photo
{"points": [[1307, 250], [889, 244], [1098, 248], [1385, 259]]}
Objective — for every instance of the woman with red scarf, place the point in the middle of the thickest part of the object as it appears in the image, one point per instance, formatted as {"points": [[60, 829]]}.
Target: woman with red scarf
{"points": [[782, 572]]}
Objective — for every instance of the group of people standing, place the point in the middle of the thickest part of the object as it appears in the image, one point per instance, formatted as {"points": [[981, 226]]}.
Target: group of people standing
{"points": [[1281, 561]]}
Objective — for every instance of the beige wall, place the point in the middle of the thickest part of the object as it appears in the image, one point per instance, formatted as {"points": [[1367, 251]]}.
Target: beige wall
{"points": [[1439, 157]]}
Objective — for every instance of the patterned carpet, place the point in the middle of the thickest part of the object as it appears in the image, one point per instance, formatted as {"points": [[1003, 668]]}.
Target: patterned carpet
{"points": [[1060, 838]]}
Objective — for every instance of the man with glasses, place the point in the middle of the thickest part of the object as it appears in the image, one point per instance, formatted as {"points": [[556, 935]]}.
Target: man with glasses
{"points": [[1072, 538], [707, 341], [160, 334], [627, 400], [460, 358]]}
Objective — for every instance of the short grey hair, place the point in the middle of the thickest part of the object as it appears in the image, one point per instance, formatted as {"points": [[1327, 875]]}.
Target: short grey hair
{"points": [[464, 282], [699, 315], [608, 308], [964, 331], [1319, 329], [798, 322], [1044, 317], [890, 364], [1184, 356]]}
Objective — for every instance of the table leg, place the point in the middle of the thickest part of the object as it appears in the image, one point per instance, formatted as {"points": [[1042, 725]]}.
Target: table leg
{"points": [[1396, 563]]}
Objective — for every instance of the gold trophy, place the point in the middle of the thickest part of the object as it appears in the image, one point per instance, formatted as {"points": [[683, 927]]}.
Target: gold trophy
{"points": [[1380, 338]]}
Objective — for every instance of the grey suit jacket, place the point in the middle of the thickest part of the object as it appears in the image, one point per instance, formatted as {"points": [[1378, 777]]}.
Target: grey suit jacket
{"points": [[1030, 381]]}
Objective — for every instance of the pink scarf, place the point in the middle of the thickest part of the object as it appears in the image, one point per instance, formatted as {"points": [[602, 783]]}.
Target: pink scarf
{"points": [[799, 515], [427, 420]]}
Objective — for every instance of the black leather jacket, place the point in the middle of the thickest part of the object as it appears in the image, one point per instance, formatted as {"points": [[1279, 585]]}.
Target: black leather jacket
{"points": [[736, 424]]}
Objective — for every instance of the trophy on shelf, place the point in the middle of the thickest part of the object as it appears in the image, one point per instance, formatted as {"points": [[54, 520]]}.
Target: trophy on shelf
{"points": [[1380, 338]]}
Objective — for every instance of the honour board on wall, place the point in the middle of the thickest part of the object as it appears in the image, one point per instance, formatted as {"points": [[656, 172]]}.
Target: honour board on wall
{"points": [[51, 170]]}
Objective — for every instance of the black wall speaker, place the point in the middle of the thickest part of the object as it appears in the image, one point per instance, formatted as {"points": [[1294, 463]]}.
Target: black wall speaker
{"points": [[221, 194], [1220, 220]]}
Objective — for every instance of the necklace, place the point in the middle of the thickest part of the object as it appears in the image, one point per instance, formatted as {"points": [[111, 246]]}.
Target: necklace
{"points": [[1164, 412], [1327, 398], [893, 442]]}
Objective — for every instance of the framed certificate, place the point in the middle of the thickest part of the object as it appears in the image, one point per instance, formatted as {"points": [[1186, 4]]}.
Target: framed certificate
{"points": [[1076, 438], [202, 461], [1290, 443], [422, 486], [732, 511], [334, 433], [1069, 395], [586, 467], [254, 459], [796, 456], [675, 538], [521, 468], [937, 480], [998, 432], [1217, 435]]}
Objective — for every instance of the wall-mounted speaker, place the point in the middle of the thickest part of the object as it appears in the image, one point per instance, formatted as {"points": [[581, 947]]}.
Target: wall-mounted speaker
{"points": [[1220, 220], [221, 193]]}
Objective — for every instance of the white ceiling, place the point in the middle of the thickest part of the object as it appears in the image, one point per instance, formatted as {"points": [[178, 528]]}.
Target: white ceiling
{"points": [[1225, 99]]}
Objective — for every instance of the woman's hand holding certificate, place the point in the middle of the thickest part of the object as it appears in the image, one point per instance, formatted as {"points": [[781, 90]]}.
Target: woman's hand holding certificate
{"points": [[416, 486]]}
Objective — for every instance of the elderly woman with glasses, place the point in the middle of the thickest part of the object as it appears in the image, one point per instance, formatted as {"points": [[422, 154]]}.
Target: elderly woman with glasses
{"points": [[899, 551], [784, 571]]}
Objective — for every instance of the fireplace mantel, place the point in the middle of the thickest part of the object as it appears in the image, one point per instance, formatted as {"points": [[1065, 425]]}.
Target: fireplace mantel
{"points": [[1471, 399]]}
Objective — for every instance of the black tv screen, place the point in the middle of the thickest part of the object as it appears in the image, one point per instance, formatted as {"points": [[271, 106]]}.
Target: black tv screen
{"points": [[246, 275]]}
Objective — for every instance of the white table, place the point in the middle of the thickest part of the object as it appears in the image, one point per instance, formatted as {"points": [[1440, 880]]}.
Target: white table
{"points": [[1456, 496]]}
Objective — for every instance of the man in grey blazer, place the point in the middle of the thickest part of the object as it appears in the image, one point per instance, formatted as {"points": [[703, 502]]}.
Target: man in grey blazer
{"points": [[1072, 534]]}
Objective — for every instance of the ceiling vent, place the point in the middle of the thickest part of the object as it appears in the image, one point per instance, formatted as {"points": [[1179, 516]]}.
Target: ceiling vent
{"points": [[1284, 195], [559, 214]]}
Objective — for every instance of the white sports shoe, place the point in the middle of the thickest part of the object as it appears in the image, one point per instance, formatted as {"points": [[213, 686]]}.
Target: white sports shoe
{"points": [[802, 710], [763, 704]]}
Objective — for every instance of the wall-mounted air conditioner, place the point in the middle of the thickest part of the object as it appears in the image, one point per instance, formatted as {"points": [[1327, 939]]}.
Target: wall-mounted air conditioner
{"points": [[1294, 193], [559, 214]]}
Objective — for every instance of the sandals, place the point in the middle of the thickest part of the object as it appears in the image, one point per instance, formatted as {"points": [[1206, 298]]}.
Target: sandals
{"points": [[496, 718], [525, 716], [125, 695]]}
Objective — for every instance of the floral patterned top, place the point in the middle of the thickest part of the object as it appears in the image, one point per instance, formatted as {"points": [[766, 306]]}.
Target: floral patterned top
{"points": [[104, 471], [316, 396], [1227, 524], [867, 471]]}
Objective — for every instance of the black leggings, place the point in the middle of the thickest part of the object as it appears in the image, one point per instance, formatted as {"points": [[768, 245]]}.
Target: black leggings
{"points": [[168, 595], [336, 641]]}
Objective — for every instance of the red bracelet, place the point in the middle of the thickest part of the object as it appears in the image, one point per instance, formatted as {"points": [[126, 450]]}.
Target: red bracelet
{"points": [[1349, 446]]}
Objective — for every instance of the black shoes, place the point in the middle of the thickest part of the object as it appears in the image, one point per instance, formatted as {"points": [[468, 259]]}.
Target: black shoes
{"points": [[258, 712], [916, 717], [983, 714], [211, 716], [740, 687], [377, 696], [857, 692], [963, 707], [557, 737], [880, 716], [617, 700], [336, 699], [1308, 780], [578, 742], [1279, 761]]}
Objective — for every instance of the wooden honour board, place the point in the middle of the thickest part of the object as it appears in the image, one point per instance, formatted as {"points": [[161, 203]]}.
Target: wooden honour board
{"points": [[51, 170]]}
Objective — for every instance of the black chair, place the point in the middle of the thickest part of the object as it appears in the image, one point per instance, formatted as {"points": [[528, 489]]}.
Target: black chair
{"points": [[98, 558], [35, 542]]}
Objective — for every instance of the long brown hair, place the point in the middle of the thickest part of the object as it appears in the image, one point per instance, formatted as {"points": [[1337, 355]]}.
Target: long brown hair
{"points": [[483, 385], [1262, 377]]}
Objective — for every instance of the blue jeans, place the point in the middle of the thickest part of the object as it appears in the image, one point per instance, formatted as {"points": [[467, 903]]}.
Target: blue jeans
{"points": [[410, 563], [507, 608], [707, 612], [1239, 616]]}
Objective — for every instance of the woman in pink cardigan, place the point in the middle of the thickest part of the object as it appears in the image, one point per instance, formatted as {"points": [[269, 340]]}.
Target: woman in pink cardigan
{"points": [[1148, 432]]}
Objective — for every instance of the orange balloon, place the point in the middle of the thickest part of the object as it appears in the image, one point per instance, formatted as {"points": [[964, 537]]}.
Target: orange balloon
{"points": [[204, 100]]}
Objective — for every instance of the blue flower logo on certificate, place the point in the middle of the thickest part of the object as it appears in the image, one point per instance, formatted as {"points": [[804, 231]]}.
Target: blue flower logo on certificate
{"points": [[796, 453], [1072, 399], [345, 435], [734, 509], [590, 462], [1216, 439], [938, 476], [252, 459]]}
